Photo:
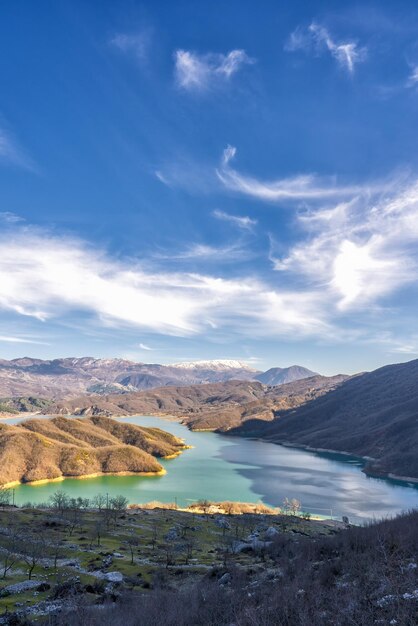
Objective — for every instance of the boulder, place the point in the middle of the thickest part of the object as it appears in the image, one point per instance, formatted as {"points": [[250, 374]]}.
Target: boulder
{"points": [[225, 579], [271, 533], [114, 577]]}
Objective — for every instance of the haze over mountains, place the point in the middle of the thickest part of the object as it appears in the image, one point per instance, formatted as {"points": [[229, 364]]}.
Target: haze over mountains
{"points": [[68, 376]]}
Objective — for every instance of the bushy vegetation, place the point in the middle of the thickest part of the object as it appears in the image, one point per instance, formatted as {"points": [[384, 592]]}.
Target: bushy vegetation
{"points": [[99, 562], [23, 404], [359, 576]]}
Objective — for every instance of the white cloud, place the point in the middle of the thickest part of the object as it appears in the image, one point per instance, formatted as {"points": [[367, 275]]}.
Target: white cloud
{"points": [[360, 251], [413, 77], [162, 178], [143, 346], [244, 222], [47, 277], [12, 339], [137, 44], [316, 37], [196, 72], [182, 171], [304, 187], [10, 218], [349, 258], [11, 152], [201, 251]]}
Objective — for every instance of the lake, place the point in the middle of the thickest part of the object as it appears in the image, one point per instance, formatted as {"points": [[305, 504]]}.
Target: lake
{"points": [[219, 467]]}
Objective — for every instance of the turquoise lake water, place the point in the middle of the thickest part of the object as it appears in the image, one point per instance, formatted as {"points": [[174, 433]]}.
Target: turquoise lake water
{"points": [[219, 467]]}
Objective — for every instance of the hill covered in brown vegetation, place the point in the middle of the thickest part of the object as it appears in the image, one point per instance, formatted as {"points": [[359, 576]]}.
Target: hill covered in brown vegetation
{"points": [[373, 415], [41, 449], [216, 406]]}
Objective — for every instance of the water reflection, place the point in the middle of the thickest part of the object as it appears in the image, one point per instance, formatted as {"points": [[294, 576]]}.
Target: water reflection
{"points": [[231, 468]]}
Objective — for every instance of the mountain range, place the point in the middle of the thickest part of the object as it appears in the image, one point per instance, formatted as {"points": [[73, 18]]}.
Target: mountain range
{"points": [[372, 415], [66, 377], [211, 406]]}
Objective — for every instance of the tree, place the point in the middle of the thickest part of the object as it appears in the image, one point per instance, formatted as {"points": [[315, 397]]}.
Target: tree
{"points": [[75, 517], [154, 535], [11, 552], [132, 542], [60, 501], [295, 506], [56, 549], [5, 496], [189, 547], [205, 506], [32, 549], [96, 533], [99, 501]]}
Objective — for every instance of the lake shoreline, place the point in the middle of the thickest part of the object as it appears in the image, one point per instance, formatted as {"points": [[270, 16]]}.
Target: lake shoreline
{"points": [[365, 459], [182, 419], [59, 479]]}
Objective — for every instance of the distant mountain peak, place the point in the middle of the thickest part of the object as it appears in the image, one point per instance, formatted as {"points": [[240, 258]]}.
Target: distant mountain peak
{"points": [[282, 375]]}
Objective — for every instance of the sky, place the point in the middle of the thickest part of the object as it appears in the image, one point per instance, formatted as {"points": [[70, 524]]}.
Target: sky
{"points": [[210, 180]]}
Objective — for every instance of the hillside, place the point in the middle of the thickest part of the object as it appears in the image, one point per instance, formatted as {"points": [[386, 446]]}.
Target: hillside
{"points": [[41, 449], [75, 564], [374, 415], [217, 406]]}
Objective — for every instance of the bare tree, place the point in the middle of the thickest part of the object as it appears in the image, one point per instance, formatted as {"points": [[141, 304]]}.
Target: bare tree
{"points": [[132, 542], [99, 501], [205, 506], [60, 501], [295, 506], [11, 552], [32, 549]]}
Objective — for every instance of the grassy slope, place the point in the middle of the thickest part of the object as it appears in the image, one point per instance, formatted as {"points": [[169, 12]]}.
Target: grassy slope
{"points": [[311, 573]]}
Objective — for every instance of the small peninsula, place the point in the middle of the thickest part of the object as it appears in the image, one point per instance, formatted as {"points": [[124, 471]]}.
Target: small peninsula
{"points": [[61, 447]]}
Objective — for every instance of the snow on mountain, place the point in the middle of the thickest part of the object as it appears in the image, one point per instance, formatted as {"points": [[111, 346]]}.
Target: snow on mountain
{"points": [[219, 365]]}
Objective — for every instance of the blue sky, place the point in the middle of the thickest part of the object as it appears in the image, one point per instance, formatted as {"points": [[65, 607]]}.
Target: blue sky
{"points": [[197, 180]]}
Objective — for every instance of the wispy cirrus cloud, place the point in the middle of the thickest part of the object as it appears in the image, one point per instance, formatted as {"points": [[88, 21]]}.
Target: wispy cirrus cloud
{"points": [[349, 257], [11, 152], [10, 218], [304, 187], [413, 77], [199, 72], [359, 251], [47, 277], [206, 252], [317, 39], [13, 339], [135, 44], [244, 222], [143, 346]]}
